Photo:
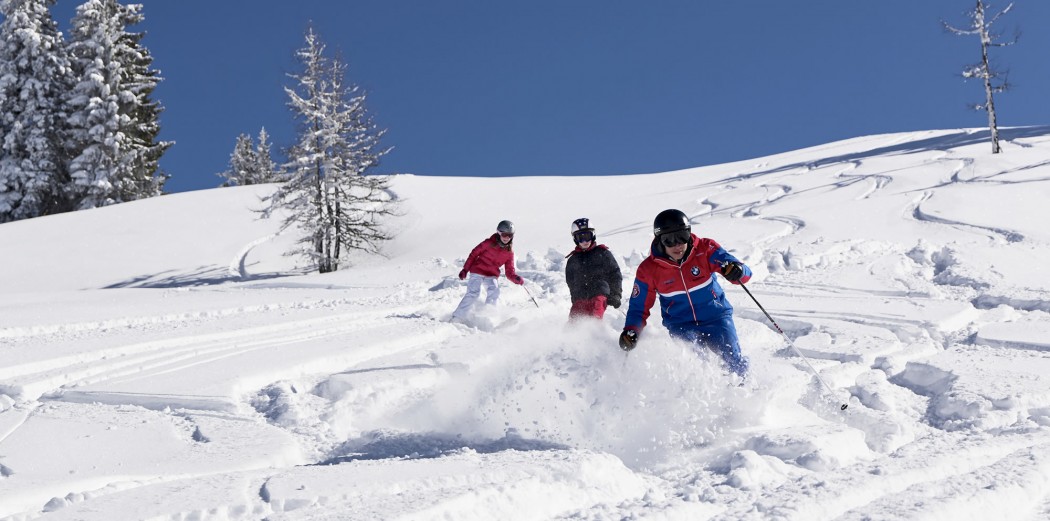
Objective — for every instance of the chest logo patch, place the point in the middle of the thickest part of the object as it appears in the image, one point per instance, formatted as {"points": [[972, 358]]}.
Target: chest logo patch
{"points": [[695, 271]]}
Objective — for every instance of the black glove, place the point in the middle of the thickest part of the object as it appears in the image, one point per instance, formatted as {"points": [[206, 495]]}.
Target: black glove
{"points": [[613, 301], [628, 339], [732, 271]]}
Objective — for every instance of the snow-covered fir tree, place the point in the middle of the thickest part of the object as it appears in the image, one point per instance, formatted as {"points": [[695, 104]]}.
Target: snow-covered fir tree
{"points": [[242, 163], [34, 74], [328, 195], [251, 164], [114, 121], [268, 169]]}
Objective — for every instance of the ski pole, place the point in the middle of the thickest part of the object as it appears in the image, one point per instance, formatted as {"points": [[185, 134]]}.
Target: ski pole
{"points": [[530, 295], [792, 344]]}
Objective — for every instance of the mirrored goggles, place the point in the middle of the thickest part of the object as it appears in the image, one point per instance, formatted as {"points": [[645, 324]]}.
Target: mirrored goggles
{"points": [[676, 238]]}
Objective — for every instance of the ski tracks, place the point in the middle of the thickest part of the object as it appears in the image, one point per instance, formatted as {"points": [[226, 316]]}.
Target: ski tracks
{"points": [[168, 356], [48, 332], [1001, 480], [980, 477], [238, 266], [996, 234]]}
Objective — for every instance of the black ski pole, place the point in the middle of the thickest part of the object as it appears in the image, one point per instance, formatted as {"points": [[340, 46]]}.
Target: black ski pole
{"points": [[530, 295], [792, 344]]}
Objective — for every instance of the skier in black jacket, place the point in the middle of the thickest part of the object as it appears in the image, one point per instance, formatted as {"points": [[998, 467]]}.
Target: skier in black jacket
{"points": [[592, 274]]}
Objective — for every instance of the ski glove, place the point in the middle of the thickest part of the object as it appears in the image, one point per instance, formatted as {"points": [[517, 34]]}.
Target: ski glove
{"points": [[517, 280], [462, 274], [614, 302], [628, 339], [732, 271]]}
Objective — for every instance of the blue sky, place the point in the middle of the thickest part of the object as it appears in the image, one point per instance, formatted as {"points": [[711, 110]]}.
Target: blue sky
{"points": [[584, 87]]}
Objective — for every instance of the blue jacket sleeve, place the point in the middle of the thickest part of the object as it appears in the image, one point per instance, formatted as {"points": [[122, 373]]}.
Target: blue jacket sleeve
{"points": [[720, 256], [638, 305]]}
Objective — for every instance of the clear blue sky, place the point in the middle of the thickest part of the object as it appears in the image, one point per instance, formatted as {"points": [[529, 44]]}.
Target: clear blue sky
{"points": [[583, 87]]}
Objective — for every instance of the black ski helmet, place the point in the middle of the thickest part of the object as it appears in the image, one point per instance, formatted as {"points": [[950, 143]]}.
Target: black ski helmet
{"points": [[669, 221], [505, 227]]}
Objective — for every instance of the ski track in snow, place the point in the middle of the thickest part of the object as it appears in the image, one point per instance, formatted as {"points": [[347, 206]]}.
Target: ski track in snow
{"points": [[239, 265], [996, 234], [175, 353], [46, 331]]}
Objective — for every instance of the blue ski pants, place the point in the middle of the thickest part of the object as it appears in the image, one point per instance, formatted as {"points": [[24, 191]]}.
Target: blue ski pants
{"points": [[718, 335]]}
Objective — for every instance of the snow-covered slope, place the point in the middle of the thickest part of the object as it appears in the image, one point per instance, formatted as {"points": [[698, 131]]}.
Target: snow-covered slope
{"points": [[163, 360]]}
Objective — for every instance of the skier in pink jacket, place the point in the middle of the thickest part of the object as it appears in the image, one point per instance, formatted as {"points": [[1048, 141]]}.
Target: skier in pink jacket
{"points": [[482, 268]]}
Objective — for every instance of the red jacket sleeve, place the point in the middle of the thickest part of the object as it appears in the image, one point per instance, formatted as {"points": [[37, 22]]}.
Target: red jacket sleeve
{"points": [[508, 267], [473, 257]]}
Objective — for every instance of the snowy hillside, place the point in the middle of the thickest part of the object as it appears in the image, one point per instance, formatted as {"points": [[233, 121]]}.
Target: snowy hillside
{"points": [[162, 360]]}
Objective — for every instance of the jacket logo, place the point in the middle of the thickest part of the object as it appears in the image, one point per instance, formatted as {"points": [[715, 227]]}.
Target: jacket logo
{"points": [[695, 271], [635, 292], [668, 281]]}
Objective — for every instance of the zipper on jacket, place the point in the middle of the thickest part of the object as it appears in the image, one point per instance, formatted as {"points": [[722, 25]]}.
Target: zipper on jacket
{"points": [[688, 295]]}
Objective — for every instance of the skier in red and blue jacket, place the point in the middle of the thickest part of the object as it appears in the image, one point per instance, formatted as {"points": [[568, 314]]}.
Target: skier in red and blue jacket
{"points": [[693, 305]]}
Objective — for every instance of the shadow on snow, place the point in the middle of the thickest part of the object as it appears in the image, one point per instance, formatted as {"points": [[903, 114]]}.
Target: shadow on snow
{"points": [[202, 276], [433, 445]]}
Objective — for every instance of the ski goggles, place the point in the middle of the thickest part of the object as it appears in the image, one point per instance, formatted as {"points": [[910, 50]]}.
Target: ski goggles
{"points": [[584, 236], [506, 235], [675, 238]]}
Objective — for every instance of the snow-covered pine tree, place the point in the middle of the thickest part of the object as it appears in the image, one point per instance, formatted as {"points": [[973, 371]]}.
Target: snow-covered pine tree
{"points": [[980, 26], [115, 123], [268, 169], [251, 164], [34, 75], [243, 162], [328, 196]]}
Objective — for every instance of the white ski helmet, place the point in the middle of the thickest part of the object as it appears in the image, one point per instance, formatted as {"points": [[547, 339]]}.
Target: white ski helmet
{"points": [[579, 225], [581, 230]]}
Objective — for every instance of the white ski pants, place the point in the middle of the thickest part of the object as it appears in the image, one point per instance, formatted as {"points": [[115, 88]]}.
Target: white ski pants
{"points": [[474, 284]]}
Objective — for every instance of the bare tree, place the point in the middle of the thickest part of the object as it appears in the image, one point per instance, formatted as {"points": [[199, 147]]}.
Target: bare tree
{"points": [[980, 25]]}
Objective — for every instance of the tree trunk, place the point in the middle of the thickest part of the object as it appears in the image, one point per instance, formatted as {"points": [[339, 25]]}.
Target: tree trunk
{"points": [[986, 71], [338, 234], [319, 234]]}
